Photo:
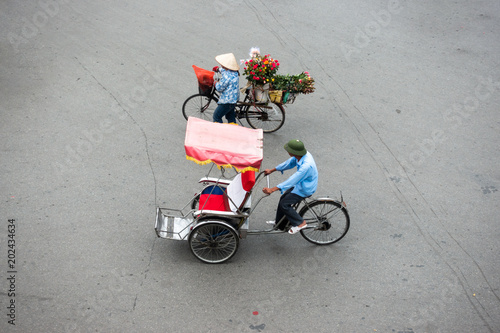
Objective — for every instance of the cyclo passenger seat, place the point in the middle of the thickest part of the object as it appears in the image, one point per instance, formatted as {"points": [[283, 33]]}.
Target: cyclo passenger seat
{"points": [[231, 197]]}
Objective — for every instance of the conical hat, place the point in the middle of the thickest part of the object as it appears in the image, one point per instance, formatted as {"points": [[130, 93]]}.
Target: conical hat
{"points": [[228, 60]]}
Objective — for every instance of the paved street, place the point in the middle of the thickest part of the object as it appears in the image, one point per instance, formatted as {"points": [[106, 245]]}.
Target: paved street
{"points": [[404, 121]]}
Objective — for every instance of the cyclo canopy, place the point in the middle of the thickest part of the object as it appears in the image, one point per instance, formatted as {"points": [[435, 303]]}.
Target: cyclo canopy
{"points": [[226, 145]]}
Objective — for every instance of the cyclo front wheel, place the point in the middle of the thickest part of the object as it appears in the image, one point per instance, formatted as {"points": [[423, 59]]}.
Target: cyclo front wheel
{"points": [[213, 241], [268, 117], [199, 106], [328, 222]]}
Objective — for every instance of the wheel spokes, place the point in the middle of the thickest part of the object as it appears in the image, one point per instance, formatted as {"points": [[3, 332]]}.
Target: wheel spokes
{"points": [[327, 223], [213, 243]]}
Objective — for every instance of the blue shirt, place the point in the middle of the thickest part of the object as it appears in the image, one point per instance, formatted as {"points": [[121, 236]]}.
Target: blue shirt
{"points": [[304, 180], [228, 86]]}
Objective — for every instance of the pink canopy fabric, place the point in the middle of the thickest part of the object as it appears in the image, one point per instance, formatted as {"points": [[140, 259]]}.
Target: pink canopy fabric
{"points": [[224, 144]]}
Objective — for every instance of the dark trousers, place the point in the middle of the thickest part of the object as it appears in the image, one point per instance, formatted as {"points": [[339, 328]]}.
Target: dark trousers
{"points": [[287, 200], [225, 110]]}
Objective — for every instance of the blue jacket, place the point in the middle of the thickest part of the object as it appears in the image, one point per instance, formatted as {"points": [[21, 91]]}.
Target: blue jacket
{"points": [[304, 180], [228, 86]]}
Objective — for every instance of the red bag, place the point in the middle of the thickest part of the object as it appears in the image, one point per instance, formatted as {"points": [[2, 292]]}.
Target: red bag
{"points": [[205, 79]]}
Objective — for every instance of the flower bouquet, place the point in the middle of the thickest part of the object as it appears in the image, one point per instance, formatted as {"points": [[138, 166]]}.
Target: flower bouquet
{"points": [[259, 71], [291, 85]]}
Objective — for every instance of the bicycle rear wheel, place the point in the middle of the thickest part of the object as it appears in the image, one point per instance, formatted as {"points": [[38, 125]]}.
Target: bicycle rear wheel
{"points": [[213, 242], [328, 222], [269, 119], [199, 106]]}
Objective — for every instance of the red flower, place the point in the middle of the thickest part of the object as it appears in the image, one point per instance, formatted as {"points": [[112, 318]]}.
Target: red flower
{"points": [[260, 70]]}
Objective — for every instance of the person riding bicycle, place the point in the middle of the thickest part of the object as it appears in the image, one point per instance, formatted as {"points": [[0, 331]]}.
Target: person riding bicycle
{"points": [[228, 86], [302, 184]]}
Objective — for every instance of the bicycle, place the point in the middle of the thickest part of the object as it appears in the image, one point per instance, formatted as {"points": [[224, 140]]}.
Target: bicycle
{"points": [[268, 116]]}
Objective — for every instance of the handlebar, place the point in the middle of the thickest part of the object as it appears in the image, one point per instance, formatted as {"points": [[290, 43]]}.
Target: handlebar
{"points": [[258, 176], [267, 178]]}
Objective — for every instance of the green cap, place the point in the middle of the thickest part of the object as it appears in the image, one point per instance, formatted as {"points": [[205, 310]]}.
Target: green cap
{"points": [[296, 147]]}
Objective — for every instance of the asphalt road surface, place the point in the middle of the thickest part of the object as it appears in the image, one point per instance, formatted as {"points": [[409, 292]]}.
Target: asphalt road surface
{"points": [[404, 121]]}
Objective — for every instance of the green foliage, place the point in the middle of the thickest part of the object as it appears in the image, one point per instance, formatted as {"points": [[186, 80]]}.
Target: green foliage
{"points": [[302, 83]]}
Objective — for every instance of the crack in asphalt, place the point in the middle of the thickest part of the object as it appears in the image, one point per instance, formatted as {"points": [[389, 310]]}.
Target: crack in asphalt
{"points": [[145, 272], [133, 120]]}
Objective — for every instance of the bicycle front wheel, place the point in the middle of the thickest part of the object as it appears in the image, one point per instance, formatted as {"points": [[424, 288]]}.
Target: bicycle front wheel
{"points": [[199, 106], [328, 222], [269, 118]]}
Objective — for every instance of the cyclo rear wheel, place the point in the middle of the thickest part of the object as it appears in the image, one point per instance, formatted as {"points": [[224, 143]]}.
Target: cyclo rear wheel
{"points": [[329, 221], [213, 241], [269, 119], [199, 106]]}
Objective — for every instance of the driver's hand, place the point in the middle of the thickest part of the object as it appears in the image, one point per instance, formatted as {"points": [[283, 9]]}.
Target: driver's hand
{"points": [[268, 171], [267, 190]]}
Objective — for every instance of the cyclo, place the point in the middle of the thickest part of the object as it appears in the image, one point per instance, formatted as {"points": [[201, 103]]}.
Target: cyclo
{"points": [[217, 217]]}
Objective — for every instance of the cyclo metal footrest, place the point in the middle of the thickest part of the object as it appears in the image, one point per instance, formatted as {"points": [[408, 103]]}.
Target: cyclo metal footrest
{"points": [[172, 224]]}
